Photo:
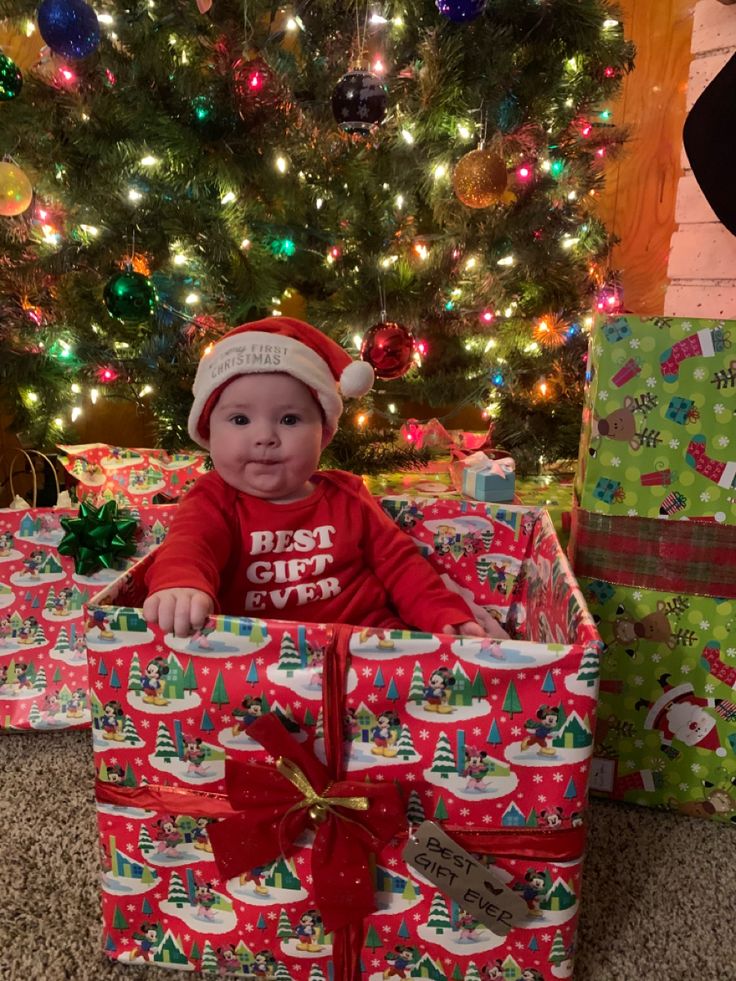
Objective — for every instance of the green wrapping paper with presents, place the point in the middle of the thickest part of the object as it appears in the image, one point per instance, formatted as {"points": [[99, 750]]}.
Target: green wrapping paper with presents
{"points": [[654, 546]]}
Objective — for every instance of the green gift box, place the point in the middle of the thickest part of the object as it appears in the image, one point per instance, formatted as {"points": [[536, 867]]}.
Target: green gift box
{"points": [[653, 542], [666, 730], [658, 429]]}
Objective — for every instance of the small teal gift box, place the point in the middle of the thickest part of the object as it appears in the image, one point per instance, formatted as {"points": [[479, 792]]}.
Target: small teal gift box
{"points": [[484, 479]]}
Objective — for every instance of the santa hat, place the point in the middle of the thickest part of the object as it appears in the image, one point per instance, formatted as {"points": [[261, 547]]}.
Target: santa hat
{"points": [[284, 345]]}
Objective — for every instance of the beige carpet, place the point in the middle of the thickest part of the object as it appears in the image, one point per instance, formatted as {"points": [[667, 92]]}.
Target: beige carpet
{"points": [[659, 901]]}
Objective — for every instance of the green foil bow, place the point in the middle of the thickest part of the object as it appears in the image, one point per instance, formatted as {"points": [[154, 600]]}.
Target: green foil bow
{"points": [[98, 537]]}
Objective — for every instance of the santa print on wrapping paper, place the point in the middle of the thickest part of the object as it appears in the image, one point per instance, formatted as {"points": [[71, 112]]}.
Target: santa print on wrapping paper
{"points": [[679, 715]]}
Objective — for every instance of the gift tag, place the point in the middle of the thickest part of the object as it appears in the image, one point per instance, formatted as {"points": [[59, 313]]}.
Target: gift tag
{"points": [[477, 888]]}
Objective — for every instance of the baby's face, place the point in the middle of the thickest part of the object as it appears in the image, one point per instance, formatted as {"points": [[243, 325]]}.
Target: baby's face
{"points": [[266, 436]]}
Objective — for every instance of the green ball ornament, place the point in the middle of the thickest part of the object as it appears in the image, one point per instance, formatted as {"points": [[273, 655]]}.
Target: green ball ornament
{"points": [[130, 296], [16, 192], [11, 79]]}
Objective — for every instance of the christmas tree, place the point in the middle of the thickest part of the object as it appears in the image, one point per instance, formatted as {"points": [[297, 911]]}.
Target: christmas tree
{"points": [[443, 761], [439, 918], [184, 172]]}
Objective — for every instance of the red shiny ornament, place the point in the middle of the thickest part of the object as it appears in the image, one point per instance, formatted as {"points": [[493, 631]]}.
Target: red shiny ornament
{"points": [[389, 348]]}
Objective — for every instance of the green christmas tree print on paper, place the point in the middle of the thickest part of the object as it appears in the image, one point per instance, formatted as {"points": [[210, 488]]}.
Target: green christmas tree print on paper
{"points": [[439, 916], [289, 657], [165, 748], [372, 939], [557, 953], [118, 919], [405, 745], [416, 689], [135, 675], [145, 842], [189, 679], [478, 687], [444, 759], [177, 893], [511, 703], [219, 692], [590, 667], [440, 811], [414, 809], [285, 930]]}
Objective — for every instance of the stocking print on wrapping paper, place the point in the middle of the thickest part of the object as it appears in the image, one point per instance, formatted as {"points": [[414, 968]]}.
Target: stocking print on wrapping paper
{"points": [[706, 343], [721, 473]]}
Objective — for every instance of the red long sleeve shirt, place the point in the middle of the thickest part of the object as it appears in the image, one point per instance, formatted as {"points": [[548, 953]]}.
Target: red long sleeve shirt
{"points": [[332, 557]]}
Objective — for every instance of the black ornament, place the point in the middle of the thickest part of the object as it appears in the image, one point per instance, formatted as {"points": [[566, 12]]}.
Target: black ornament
{"points": [[359, 102]]}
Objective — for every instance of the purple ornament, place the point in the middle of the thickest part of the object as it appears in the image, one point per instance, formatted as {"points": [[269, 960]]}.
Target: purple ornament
{"points": [[460, 11], [69, 27]]}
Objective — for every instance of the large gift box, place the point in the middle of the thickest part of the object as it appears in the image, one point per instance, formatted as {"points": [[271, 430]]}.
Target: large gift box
{"points": [[258, 782], [43, 658], [654, 545]]}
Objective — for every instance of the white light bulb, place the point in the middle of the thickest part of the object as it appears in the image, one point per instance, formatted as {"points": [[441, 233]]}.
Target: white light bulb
{"points": [[192, 298], [407, 136], [281, 165], [440, 171], [76, 389], [94, 395], [399, 201], [318, 203], [228, 198], [76, 413], [134, 195], [179, 259]]}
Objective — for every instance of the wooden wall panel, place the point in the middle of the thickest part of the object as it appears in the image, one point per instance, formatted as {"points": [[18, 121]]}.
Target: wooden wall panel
{"points": [[639, 203]]}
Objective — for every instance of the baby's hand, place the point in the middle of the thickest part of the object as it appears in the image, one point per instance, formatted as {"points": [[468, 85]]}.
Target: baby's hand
{"points": [[178, 610], [490, 628]]}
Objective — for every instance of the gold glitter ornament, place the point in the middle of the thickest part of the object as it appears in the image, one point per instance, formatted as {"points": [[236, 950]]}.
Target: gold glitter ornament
{"points": [[480, 179]]}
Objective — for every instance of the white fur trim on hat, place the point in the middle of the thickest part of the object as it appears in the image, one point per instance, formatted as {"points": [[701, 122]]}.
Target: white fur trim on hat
{"points": [[260, 352], [357, 379]]}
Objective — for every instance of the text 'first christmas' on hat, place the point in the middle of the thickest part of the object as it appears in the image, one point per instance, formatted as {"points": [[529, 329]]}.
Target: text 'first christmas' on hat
{"points": [[286, 346]]}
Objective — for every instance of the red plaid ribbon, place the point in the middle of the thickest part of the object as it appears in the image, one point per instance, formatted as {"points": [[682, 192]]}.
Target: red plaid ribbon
{"points": [[695, 557]]}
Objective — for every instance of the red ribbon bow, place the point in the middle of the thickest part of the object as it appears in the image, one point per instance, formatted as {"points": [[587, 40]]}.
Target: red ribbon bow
{"points": [[352, 820]]}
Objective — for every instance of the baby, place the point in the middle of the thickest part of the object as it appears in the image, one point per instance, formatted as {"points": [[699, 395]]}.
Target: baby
{"points": [[266, 533]]}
